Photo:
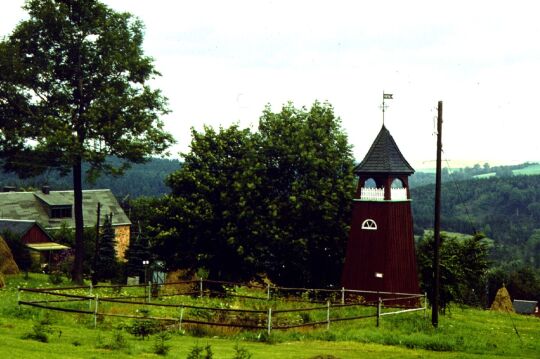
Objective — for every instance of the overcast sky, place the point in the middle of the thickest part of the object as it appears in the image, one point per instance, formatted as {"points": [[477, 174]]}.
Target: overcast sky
{"points": [[222, 61]]}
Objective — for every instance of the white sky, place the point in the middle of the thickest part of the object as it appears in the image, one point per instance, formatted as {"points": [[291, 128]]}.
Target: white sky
{"points": [[222, 61]]}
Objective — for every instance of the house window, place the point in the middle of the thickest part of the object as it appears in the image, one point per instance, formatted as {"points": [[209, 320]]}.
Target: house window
{"points": [[369, 224], [61, 212]]}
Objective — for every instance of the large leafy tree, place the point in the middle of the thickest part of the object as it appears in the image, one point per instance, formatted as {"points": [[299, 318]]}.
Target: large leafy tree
{"points": [[464, 267], [308, 186], [73, 88], [275, 201], [212, 219]]}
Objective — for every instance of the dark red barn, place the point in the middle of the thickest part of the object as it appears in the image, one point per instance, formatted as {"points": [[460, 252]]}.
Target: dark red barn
{"points": [[35, 237], [380, 251]]}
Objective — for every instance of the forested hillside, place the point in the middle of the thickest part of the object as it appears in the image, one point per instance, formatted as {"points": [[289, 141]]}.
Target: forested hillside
{"points": [[506, 209], [421, 178], [146, 179]]}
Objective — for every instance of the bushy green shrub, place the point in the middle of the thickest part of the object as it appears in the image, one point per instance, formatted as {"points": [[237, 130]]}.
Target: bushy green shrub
{"points": [[241, 353], [198, 352], [117, 342], [39, 333], [41, 329], [142, 328], [56, 277], [160, 345]]}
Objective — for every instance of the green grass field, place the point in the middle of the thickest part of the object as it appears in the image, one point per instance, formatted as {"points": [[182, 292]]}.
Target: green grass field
{"points": [[462, 333], [486, 175], [529, 170]]}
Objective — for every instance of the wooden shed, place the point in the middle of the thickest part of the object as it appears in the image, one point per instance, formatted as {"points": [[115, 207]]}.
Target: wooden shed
{"points": [[35, 237], [528, 307]]}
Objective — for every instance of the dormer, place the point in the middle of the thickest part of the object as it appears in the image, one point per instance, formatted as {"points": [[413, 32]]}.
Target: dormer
{"points": [[55, 204]]}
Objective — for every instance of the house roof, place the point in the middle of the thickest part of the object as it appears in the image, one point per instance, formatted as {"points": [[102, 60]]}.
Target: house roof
{"points": [[384, 156], [20, 227], [525, 306], [54, 198], [15, 226], [35, 206]]}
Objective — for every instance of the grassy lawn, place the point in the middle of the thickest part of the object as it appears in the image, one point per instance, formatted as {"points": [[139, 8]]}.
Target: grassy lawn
{"points": [[463, 333]]}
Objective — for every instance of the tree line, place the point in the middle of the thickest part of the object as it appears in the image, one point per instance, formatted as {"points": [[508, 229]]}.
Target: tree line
{"points": [[139, 179]]}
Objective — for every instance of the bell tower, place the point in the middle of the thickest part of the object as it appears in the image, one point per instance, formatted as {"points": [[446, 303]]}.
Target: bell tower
{"points": [[380, 250]]}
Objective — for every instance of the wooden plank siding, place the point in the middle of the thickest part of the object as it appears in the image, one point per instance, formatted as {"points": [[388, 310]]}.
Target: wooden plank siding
{"points": [[388, 250], [35, 235]]}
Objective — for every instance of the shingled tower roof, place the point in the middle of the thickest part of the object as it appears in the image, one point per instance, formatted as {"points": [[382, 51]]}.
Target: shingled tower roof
{"points": [[384, 157]]}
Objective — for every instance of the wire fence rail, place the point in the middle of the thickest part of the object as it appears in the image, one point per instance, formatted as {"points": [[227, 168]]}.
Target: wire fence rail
{"points": [[339, 304]]}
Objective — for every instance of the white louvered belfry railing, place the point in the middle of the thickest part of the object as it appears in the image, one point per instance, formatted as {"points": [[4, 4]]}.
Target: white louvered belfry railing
{"points": [[372, 194], [377, 194], [399, 194]]}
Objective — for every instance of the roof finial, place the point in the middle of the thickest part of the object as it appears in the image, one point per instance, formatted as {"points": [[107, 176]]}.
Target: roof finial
{"points": [[385, 96]]}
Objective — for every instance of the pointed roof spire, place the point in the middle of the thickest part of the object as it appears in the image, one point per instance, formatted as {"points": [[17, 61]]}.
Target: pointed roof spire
{"points": [[384, 157]]}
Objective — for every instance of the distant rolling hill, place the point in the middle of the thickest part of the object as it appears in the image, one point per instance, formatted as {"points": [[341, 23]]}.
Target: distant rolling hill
{"points": [[506, 209], [427, 176], [147, 179]]}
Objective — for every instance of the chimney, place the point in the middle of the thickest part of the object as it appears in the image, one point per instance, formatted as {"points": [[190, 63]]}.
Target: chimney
{"points": [[46, 189], [9, 189]]}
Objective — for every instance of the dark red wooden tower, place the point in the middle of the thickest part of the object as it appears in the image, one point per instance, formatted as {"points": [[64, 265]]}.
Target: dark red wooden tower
{"points": [[380, 251]]}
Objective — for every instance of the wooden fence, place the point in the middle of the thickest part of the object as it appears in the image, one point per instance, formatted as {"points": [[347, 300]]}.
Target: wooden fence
{"points": [[334, 305]]}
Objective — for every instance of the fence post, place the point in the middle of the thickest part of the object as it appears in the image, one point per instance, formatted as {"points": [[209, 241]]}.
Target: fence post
{"points": [[181, 317], [149, 291], [327, 315], [200, 287], [268, 291], [425, 304], [144, 286], [342, 295], [19, 296], [96, 311], [90, 295], [269, 320], [379, 302]]}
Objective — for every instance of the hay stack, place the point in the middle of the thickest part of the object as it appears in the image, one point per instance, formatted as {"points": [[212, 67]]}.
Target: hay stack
{"points": [[7, 263], [502, 301]]}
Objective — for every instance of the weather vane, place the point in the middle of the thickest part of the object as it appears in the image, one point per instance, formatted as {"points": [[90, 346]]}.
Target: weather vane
{"points": [[383, 107]]}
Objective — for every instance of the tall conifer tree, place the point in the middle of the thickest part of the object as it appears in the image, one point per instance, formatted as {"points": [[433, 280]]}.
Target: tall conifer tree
{"points": [[106, 265]]}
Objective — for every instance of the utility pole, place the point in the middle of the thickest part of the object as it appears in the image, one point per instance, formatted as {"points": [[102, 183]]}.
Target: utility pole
{"points": [[437, 224]]}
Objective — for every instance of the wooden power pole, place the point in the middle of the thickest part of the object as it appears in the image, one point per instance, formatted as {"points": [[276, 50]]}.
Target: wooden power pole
{"points": [[437, 224]]}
